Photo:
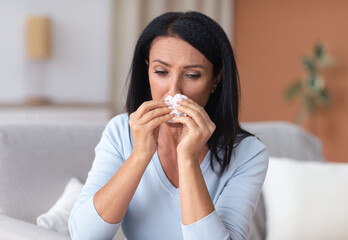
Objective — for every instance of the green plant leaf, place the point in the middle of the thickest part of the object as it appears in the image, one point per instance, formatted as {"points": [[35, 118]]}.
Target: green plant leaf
{"points": [[309, 104], [293, 90], [309, 65], [319, 51], [325, 97], [312, 82]]}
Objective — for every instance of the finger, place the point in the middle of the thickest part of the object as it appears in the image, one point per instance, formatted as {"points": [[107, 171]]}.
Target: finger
{"points": [[156, 133], [158, 121], [194, 114], [148, 106], [194, 105], [150, 115], [187, 121]]}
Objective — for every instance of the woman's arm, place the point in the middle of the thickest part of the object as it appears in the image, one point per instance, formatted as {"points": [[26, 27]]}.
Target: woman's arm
{"points": [[112, 200], [111, 183], [195, 199], [232, 213], [84, 221], [236, 204]]}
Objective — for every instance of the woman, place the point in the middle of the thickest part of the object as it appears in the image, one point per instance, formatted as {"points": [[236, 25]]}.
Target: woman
{"points": [[198, 177]]}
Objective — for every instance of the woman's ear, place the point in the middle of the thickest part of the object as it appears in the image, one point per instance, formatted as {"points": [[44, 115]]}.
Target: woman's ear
{"points": [[217, 80], [147, 62]]}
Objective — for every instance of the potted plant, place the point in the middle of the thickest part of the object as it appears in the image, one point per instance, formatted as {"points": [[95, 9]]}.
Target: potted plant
{"points": [[311, 89]]}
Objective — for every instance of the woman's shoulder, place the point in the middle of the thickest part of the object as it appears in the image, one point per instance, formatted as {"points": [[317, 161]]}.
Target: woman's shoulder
{"points": [[117, 136], [118, 122], [250, 143], [250, 150], [117, 129], [120, 118], [249, 155]]}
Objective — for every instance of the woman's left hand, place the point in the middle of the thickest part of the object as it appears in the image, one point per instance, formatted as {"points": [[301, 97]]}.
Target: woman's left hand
{"points": [[197, 129]]}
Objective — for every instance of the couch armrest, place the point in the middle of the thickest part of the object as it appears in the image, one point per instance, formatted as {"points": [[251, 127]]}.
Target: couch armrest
{"points": [[13, 229]]}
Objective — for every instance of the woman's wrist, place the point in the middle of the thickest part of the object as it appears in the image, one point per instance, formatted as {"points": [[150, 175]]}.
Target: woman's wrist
{"points": [[187, 161], [141, 157]]}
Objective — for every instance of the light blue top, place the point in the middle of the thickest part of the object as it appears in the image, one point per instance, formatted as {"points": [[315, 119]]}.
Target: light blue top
{"points": [[154, 212]]}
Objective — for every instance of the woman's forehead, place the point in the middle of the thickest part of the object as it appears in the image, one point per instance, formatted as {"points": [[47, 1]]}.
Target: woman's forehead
{"points": [[175, 50]]}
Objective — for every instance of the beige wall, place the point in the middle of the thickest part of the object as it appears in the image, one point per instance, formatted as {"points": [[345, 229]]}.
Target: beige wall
{"points": [[270, 38]]}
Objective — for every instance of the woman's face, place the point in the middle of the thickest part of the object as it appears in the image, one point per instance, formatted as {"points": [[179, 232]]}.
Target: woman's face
{"points": [[177, 67]]}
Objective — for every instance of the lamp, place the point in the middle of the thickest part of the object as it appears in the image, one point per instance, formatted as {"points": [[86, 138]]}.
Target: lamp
{"points": [[38, 51]]}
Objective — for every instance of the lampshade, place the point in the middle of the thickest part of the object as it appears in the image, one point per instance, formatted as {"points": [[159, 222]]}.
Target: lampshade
{"points": [[38, 37]]}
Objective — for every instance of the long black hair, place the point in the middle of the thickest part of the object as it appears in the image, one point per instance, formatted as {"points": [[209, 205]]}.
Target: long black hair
{"points": [[209, 38]]}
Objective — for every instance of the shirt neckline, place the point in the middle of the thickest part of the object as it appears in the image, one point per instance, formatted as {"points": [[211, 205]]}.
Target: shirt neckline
{"points": [[163, 177]]}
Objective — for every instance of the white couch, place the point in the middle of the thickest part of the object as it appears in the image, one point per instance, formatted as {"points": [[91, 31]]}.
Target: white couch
{"points": [[37, 161]]}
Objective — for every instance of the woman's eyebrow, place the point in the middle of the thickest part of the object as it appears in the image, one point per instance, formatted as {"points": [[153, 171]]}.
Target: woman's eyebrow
{"points": [[187, 66], [194, 66], [160, 61]]}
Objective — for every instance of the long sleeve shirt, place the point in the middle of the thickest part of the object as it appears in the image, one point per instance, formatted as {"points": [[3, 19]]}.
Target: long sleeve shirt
{"points": [[154, 211]]}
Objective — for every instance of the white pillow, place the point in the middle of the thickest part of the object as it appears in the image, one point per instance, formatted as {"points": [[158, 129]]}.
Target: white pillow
{"points": [[57, 217], [306, 200]]}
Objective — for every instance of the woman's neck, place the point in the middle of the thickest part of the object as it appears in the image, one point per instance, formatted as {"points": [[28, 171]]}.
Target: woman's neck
{"points": [[169, 137]]}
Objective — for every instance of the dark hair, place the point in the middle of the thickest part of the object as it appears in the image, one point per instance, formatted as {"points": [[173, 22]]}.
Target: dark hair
{"points": [[209, 38]]}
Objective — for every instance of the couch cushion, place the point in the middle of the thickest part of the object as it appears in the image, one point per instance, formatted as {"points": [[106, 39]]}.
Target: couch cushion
{"points": [[306, 200], [57, 217], [36, 162]]}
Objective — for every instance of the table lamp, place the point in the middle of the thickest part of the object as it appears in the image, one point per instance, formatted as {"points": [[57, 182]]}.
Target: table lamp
{"points": [[38, 51]]}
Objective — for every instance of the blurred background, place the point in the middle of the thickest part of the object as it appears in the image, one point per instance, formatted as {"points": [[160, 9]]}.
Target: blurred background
{"points": [[68, 60]]}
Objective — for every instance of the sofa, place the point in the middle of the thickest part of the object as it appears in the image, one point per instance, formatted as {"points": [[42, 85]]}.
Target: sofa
{"points": [[37, 161]]}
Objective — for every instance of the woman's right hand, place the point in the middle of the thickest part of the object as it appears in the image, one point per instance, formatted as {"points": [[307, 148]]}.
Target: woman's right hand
{"points": [[144, 124]]}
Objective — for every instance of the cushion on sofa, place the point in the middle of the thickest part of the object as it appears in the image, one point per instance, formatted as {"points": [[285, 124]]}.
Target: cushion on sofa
{"points": [[57, 217], [306, 200]]}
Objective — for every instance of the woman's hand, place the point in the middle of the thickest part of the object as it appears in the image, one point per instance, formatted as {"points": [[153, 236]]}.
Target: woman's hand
{"points": [[197, 129], [144, 124]]}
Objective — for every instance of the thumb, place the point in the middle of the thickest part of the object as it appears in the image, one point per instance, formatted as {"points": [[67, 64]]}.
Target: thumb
{"points": [[155, 134]]}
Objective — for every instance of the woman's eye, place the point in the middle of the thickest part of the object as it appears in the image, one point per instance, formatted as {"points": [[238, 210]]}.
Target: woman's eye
{"points": [[193, 76], [160, 73]]}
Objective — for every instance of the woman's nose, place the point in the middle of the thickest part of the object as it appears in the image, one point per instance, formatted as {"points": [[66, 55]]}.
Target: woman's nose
{"points": [[175, 85]]}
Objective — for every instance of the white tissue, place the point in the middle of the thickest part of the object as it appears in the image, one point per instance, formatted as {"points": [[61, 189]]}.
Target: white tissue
{"points": [[172, 103]]}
